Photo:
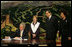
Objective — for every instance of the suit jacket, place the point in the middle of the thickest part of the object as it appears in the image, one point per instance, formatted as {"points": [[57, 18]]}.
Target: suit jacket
{"points": [[51, 27], [24, 35], [65, 28], [37, 32]]}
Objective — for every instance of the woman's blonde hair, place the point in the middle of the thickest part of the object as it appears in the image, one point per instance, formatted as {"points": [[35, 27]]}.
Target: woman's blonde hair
{"points": [[35, 16]]}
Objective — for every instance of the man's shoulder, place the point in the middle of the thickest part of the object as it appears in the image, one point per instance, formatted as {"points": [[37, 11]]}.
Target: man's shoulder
{"points": [[54, 16], [17, 30]]}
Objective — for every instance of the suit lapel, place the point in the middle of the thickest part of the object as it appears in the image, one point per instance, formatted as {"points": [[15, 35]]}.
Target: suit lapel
{"points": [[22, 33], [34, 28]]}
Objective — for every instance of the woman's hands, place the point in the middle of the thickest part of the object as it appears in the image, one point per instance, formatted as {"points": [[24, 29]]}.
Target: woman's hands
{"points": [[34, 35]]}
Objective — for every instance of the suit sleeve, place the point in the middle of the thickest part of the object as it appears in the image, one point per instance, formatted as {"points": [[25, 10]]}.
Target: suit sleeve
{"points": [[12, 34], [59, 27], [56, 23], [17, 33], [69, 28], [25, 34]]}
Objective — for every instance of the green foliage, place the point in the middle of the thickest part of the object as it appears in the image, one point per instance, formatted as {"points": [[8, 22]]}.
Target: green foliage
{"points": [[2, 33], [24, 13], [42, 30], [6, 31]]}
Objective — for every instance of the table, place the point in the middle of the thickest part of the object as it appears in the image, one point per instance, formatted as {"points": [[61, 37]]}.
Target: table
{"points": [[38, 42]]}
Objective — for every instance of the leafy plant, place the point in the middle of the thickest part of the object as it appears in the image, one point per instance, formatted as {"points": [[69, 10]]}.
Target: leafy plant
{"points": [[24, 13], [6, 31]]}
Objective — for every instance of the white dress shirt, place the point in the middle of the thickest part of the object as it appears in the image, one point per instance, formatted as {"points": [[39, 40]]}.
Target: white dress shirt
{"points": [[21, 32], [34, 27], [50, 17]]}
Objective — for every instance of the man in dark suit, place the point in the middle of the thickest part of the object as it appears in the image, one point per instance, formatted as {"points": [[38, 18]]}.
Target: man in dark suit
{"points": [[51, 27], [65, 29], [22, 32]]}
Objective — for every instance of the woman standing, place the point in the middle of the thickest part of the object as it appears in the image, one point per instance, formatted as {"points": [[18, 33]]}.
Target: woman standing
{"points": [[35, 28]]}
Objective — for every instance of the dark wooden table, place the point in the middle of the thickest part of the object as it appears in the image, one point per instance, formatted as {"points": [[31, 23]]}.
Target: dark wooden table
{"points": [[26, 42]]}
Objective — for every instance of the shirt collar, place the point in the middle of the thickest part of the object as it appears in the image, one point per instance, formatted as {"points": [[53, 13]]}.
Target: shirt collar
{"points": [[35, 23], [22, 30], [50, 16]]}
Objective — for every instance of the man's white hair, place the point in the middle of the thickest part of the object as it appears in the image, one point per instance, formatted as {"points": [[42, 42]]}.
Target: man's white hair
{"points": [[23, 24]]}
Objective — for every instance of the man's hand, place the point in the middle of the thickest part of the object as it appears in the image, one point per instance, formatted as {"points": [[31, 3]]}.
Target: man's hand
{"points": [[34, 35], [7, 37], [69, 38], [17, 37]]}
